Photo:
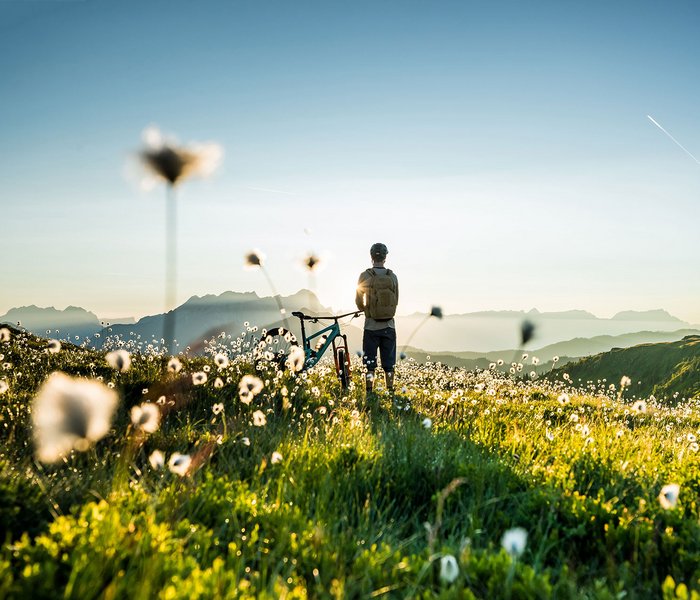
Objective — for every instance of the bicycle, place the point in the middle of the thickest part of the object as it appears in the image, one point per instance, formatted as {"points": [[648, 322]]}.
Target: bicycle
{"points": [[277, 343]]}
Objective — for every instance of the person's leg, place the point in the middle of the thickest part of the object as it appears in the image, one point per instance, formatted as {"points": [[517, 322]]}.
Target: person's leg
{"points": [[370, 344], [387, 349]]}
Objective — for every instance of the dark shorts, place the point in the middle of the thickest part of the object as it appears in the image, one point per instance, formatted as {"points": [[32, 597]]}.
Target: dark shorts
{"points": [[383, 340]]}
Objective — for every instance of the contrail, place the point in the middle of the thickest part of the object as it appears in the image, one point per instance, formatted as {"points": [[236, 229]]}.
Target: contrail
{"points": [[674, 139]]}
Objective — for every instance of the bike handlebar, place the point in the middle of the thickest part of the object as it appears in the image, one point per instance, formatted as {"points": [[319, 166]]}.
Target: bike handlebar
{"points": [[301, 315]]}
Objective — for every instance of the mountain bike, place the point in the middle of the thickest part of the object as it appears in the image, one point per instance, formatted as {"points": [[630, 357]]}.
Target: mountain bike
{"points": [[277, 343]]}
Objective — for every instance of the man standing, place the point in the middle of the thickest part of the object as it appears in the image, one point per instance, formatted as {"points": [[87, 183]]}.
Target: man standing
{"points": [[378, 295]]}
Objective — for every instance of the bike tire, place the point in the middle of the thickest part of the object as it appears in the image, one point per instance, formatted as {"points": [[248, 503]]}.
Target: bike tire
{"points": [[274, 347], [343, 369]]}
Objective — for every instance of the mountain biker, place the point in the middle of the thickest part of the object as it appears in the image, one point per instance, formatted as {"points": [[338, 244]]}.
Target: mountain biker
{"points": [[378, 295]]}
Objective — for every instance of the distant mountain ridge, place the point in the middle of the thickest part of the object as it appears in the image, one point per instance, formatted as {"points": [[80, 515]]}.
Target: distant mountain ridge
{"points": [[663, 369]]}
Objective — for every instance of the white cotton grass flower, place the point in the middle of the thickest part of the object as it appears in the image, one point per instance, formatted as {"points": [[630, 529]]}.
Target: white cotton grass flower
{"points": [[218, 383], [640, 406], [296, 359], [119, 360], [259, 419], [54, 346], [146, 417], [449, 569], [427, 423], [174, 365], [199, 378], [69, 414], [179, 463], [668, 497], [5, 334], [563, 399], [221, 361], [218, 408], [514, 541], [3, 386], [156, 460], [276, 458], [167, 160], [625, 382], [249, 387], [254, 259]]}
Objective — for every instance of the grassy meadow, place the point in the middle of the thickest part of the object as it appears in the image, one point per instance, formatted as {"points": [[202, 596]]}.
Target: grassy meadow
{"points": [[296, 489]]}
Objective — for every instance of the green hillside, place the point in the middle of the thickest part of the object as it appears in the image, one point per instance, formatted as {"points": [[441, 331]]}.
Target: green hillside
{"points": [[463, 485], [665, 370]]}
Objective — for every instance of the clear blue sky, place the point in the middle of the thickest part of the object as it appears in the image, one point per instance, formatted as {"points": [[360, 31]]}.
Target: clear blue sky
{"points": [[502, 150]]}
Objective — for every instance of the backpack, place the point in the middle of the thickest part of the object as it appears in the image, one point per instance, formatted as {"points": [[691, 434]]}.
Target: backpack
{"points": [[382, 295]]}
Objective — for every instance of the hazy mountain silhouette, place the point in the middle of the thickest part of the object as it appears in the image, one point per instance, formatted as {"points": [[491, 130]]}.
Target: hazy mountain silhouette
{"points": [[50, 322]]}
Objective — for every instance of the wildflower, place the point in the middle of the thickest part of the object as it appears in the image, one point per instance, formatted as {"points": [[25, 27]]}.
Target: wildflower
{"points": [[221, 361], [3, 386], [514, 541], [276, 458], [249, 387], [555, 359], [254, 259], [157, 460], [639, 406], [449, 569], [295, 360], [311, 262], [427, 423], [259, 419], [691, 437], [479, 387], [218, 383], [217, 408], [668, 497], [527, 331], [119, 360], [499, 362], [146, 417], [199, 378], [179, 464], [167, 161], [535, 361], [245, 441], [70, 414], [54, 346], [206, 368], [174, 365], [436, 311], [625, 382], [4, 334], [563, 399]]}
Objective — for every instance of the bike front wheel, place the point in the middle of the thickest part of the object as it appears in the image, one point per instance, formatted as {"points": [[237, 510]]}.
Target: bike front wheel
{"points": [[343, 369]]}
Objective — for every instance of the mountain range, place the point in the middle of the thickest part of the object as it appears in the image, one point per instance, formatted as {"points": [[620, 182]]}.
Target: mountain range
{"points": [[469, 339]]}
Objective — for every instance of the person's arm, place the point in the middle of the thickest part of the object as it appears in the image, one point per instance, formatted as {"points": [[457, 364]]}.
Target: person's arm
{"points": [[360, 293]]}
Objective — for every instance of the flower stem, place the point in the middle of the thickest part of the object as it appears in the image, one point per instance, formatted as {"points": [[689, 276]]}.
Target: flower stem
{"points": [[170, 268]]}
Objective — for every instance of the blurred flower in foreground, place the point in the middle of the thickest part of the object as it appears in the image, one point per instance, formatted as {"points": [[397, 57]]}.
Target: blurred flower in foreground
{"points": [[527, 331], [146, 417], [311, 262], [639, 406], [259, 418], [70, 414], [249, 387], [427, 423], [436, 311], [156, 459], [254, 259], [174, 365], [179, 463], [119, 360], [276, 458], [449, 569], [668, 497], [4, 334], [54, 346], [221, 361], [3, 386], [514, 541], [199, 378], [172, 163], [295, 360]]}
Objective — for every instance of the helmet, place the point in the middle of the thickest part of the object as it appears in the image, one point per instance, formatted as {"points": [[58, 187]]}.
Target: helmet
{"points": [[378, 251]]}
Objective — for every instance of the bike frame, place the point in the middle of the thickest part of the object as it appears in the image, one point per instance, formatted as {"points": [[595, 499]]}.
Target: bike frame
{"points": [[332, 333]]}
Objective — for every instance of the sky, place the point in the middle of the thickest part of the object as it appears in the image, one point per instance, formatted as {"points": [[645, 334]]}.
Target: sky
{"points": [[502, 151]]}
